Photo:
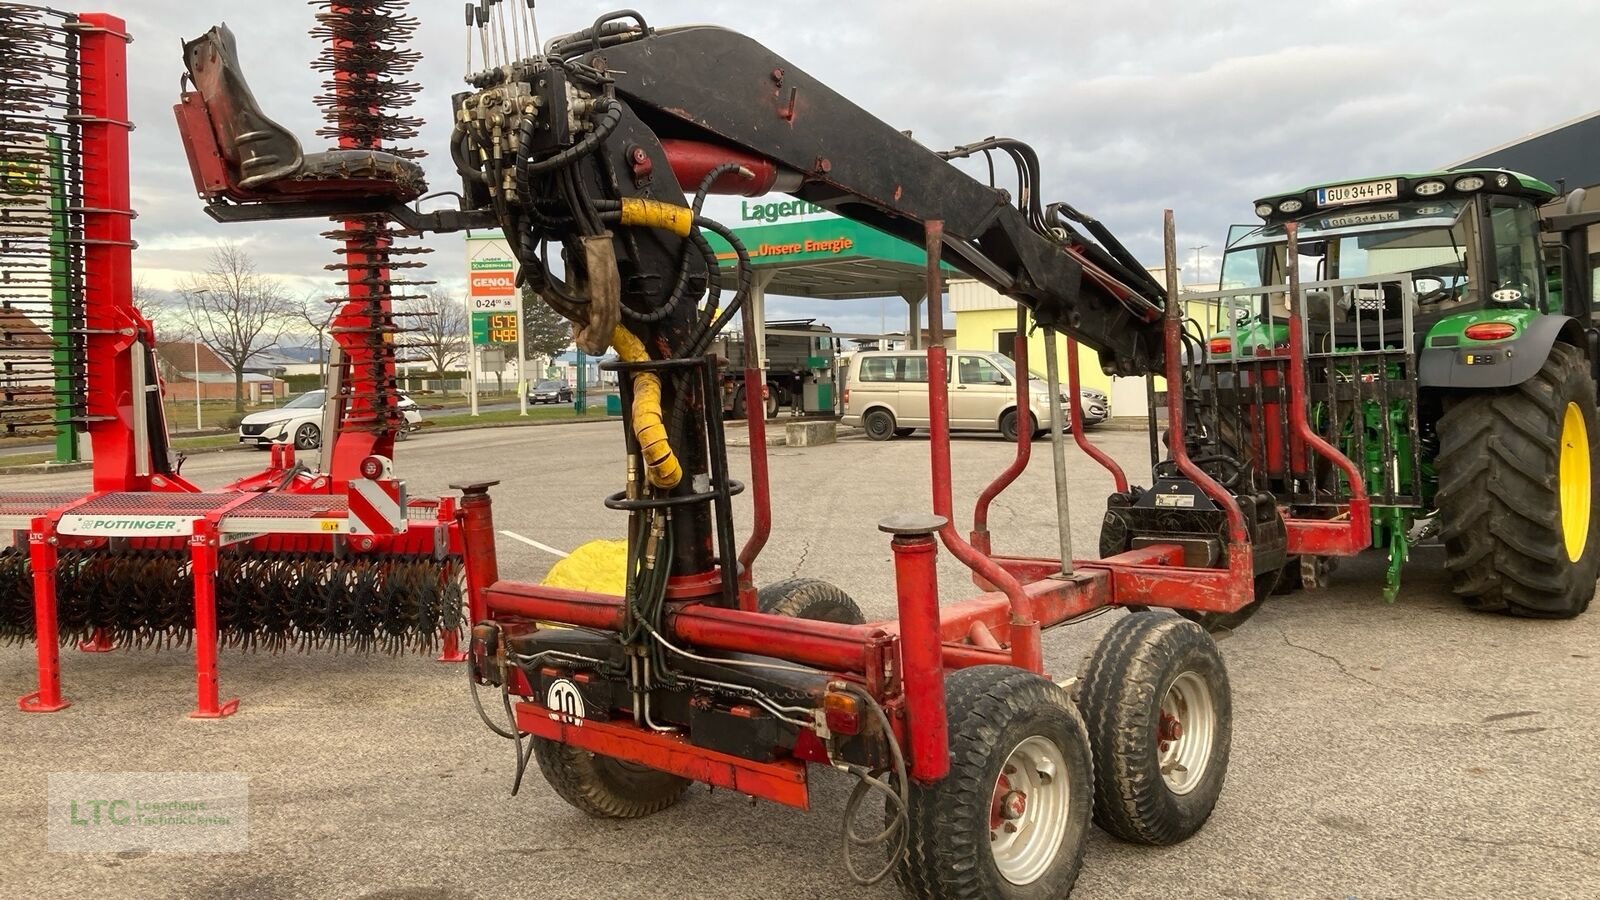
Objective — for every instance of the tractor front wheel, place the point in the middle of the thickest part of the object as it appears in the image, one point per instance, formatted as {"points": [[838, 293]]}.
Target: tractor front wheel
{"points": [[1011, 818], [1516, 500]]}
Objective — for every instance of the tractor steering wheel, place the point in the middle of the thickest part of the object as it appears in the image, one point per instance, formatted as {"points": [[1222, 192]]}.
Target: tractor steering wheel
{"points": [[1434, 295]]}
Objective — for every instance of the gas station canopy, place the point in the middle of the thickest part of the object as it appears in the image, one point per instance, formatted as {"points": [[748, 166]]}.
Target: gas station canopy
{"points": [[827, 259]]}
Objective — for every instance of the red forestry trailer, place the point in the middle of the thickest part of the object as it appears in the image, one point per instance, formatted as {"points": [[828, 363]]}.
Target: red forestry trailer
{"points": [[602, 146]]}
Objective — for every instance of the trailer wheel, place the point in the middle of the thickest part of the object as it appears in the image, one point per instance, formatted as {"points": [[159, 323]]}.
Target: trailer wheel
{"points": [[604, 787], [810, 598], [1517, 505], [738, 410], [879, 424], [773, 402], [1009, 425], [1011, 818], [1155, 696]]}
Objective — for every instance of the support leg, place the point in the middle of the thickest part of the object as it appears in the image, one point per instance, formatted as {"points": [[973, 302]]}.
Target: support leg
{"points": [[42, 555], [203, 554], [99, 642]]}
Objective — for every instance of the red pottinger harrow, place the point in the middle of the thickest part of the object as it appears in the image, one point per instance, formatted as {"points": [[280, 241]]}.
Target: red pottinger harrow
{"points": [[290, 558]]}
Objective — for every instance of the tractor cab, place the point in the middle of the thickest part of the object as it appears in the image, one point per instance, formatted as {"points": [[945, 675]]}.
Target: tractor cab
{"points": [[1433, 246]]}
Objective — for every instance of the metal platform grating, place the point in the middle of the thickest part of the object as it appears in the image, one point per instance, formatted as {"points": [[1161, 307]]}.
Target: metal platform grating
{"points": [[17, 503], [146, 504], [292, 506]]}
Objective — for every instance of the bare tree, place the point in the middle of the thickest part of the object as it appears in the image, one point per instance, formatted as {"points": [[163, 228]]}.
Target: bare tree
{"points": [[163, 309], [237, 311], [548, 333], [314, 310], [441, 330]]}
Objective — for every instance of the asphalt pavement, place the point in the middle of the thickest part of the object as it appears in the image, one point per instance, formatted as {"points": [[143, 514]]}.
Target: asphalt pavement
{"points": [[1405, 750]]}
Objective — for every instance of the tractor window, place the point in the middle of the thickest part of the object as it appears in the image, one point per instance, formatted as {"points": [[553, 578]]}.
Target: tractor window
{"points": [[1518, 273]]}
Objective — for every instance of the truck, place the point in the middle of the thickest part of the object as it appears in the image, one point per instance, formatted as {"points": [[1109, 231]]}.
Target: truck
{"points": [[801, 354]]}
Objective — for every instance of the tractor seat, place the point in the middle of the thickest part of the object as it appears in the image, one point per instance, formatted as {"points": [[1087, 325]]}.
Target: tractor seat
{"points": [[263, 160]]}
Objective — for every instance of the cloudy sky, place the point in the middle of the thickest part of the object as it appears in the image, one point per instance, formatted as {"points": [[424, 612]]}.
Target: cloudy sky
{"points": [[1134, 106]]}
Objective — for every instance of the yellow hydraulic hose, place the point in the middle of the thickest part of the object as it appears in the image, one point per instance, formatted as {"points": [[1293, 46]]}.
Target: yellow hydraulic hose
{"points": [[661, 464], [657, 214]]}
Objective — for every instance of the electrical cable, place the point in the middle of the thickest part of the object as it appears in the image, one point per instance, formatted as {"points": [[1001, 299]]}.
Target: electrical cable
{"points": [[894, 835]]}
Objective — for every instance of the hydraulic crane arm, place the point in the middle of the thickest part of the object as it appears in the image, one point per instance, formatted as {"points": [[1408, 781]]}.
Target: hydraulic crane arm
{"points": [[700, 97]]}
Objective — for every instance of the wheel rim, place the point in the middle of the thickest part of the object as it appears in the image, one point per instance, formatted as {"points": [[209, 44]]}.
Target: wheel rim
{"points": [[1575, 487], [306, 439], [1186, 733], [1030, 812]]}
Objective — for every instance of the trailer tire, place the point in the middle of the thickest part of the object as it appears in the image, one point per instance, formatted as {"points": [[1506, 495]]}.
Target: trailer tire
{"points": [[809, 598], [956, 847], [774, 402], [738, 406], [878, 424], [1517, 478], [603, 787], [1147, 671]]}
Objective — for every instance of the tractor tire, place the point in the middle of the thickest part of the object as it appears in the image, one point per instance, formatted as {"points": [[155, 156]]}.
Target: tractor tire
{"points": [[307, 437], [1011, 819], [809, 598], [879, 424], [1149, 672], [1516, 501], [603, 787], [1009, 425]]}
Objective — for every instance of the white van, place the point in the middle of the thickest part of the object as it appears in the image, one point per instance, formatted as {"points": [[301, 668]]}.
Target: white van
{"points": [[886, 394]]}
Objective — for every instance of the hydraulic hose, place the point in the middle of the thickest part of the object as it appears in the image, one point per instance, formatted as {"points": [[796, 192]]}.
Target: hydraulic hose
{"points": [[661, 464]]}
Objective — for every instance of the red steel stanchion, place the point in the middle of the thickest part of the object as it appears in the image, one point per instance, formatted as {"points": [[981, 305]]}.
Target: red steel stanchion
{"points": [[42, 555], [203, 554], [916, 578]]}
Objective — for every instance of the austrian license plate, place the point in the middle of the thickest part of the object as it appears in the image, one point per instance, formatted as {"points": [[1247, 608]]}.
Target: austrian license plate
{"points": [[1365, 192]]}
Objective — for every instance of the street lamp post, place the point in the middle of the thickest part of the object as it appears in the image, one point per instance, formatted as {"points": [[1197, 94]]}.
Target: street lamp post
{"points": [[1197, 250], [194, 376]]}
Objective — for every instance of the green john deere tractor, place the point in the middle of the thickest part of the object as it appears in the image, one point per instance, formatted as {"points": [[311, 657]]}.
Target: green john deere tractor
{"points": [[1449, 344]]}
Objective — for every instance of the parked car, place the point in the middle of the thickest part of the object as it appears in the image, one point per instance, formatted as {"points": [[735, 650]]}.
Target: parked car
{"points": [[550, 392], [299, 422], [887, 395]]}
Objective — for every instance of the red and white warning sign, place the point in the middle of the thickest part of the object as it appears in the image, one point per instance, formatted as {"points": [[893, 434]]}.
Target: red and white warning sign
{"points": [[377, 506]]}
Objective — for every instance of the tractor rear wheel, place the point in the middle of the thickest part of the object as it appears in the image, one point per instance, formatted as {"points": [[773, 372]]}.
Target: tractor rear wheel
{"points": [[1011, 818], [603, 787], [1155, 697], [1517, 479], [810, 598]]}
